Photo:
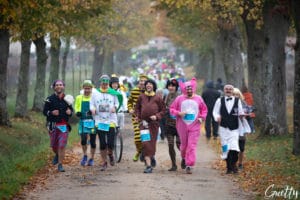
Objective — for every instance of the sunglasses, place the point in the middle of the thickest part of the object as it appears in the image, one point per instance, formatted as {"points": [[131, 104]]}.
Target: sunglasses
{"points": [[104, 80]]}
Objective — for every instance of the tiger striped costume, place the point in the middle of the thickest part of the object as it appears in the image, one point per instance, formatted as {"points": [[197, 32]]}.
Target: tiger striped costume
{"points": [[132, 99]]}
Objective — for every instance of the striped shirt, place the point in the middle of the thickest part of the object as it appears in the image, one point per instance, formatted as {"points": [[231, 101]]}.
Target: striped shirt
{"points": [[132, 99]]}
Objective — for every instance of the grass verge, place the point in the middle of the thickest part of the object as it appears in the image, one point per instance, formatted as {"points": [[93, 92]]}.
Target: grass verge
{"points": [[24, 149], [268, 161]]}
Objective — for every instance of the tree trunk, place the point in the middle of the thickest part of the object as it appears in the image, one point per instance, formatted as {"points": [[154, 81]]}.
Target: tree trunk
{"points": [[296, 143], [109, 62], [23, 81], [54, 64], [4, 50], [231, 52], [65, 58], [255, 50], [41, 61], [98, 63], [122, 60], [276, 25], [204, 66], [217, 65]]}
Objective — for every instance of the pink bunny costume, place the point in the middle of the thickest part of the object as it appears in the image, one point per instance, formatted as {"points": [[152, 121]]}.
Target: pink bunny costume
{"points": [[188, 126]]}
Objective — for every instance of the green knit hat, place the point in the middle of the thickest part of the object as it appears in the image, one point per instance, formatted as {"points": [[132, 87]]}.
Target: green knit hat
{"points": [[87, 83]]}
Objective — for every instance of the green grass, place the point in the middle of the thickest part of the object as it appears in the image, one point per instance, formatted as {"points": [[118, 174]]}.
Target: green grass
{"points": [[24, 148], [269, 160]]}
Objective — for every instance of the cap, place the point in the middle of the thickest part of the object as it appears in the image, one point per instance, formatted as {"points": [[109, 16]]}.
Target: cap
{"points": [[104, 79]]}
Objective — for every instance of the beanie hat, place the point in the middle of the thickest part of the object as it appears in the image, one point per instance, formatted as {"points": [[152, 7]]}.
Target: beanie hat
{"points": [[113, 79], [56, 81], [87, 83]]}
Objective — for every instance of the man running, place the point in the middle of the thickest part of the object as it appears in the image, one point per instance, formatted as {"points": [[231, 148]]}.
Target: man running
{"points": [[132, 99], [58, 109]]}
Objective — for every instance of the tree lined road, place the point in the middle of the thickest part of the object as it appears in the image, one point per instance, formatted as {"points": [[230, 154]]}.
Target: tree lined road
{"points": [[127, 181]]}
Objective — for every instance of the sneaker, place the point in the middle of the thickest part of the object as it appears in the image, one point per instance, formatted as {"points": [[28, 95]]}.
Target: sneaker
{"points": [[55, 159], [103, 166], [173, 168], [235, 170], [90, 162], [183, 166], [84, 160], [111, 160], [241, 166], [60, 168], [188, 170], [153, 162], [136, 157], [229, 171], [148, 170]]}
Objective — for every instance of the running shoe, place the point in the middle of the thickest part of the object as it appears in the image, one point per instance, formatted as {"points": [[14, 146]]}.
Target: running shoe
{"points": [[148, 170], [188, 170], [84, 160], [136, 157], [173, 168], [103, 166], [60, 168], [90, 162]]}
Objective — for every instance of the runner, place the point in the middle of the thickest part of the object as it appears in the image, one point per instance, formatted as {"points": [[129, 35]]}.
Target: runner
{"points": [[86, 124], [190, 111], [132, 99], [104, 106], [170, 126], [58, 109]]}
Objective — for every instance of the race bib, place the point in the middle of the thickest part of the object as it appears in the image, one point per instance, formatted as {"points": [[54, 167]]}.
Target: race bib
{"points": [[145, 135], [88, 123], [62, 128], [189, 117], [103, 127]]}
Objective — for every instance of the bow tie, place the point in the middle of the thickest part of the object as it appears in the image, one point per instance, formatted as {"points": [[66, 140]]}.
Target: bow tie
{"points": [[229, 98]]}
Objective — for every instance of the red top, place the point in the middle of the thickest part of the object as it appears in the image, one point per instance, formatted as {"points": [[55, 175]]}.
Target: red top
{"points": [[248, 98]]}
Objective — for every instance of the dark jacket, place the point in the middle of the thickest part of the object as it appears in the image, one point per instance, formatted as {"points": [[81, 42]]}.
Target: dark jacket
{"points": [[54, 103], [210, 97]]}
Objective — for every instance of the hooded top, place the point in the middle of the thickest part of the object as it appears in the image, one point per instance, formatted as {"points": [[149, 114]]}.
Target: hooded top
{"points": [[192, 83]]}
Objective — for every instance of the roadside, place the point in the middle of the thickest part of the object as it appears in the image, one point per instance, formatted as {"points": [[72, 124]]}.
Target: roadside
{"points": [[127, 181]]}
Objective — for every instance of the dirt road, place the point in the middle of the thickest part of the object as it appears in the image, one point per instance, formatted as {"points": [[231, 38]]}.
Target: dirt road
{"points": [[126, 180]]}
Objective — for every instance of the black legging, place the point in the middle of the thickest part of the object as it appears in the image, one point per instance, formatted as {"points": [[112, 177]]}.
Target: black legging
{"points": [[92, 139], [107, 139], [172, 135]]}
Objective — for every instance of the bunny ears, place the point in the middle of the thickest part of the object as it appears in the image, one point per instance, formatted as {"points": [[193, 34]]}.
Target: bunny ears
{"points": [[184, 85]]}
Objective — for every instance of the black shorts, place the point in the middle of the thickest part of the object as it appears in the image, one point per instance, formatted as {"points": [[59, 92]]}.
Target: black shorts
{"points": [[242, 145]]}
